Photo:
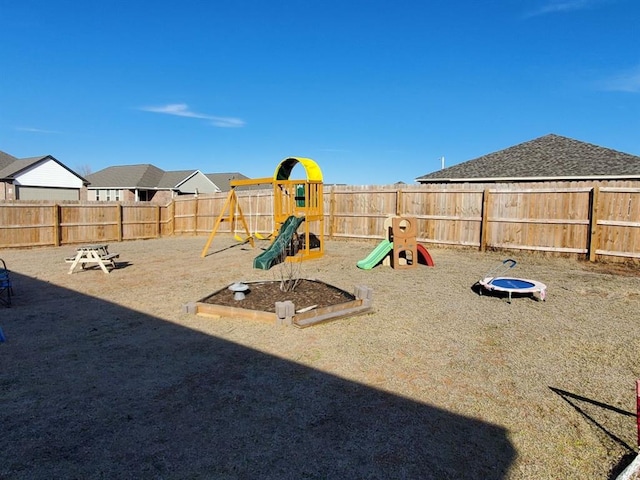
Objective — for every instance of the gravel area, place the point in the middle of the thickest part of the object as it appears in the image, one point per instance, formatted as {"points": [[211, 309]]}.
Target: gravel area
{"points": [[106, 376]]}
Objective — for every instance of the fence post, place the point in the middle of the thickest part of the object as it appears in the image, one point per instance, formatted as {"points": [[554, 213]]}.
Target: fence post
{"points": [[119, 221], [332, 212], [158, 225], [484, 224], [56, 225], [594, 238], [171, 217], [195, 217], [399, 206]]}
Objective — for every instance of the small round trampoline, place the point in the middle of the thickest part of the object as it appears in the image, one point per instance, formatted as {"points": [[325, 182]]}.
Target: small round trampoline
{"points": [[514, 285], [511, 285]]}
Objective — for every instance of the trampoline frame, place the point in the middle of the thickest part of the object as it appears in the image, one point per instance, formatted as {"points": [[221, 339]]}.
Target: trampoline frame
{"points": [[496, 283]]}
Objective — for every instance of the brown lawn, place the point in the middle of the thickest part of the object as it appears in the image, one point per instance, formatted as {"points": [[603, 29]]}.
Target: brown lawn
{"points": [[105, 376]]}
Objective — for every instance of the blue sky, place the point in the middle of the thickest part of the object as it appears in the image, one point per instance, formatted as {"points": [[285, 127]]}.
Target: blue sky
{"points": [[374, 91]]}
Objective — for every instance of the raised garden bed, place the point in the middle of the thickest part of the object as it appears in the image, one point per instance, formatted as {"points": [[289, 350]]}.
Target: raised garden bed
{"points": [[309, 303]]}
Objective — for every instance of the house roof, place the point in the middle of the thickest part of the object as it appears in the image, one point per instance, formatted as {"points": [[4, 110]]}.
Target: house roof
{"points": [[147, 176], [174, 178], [10, 166], [548, 157], [6, 160], [127, 176], [222, 180], [11, 170]]}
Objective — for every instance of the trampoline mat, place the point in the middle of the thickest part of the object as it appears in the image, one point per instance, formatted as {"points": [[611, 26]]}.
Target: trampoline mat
{"points": [[512, 283]]}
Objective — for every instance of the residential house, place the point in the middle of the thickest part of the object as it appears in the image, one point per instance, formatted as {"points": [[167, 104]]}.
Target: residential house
{"points": [[38, 178], [551, 160], [148, 183], [552, 193]]}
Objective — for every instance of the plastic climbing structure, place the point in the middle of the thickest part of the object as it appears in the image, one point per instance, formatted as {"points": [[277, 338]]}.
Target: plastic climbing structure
{"points": [[399, 249], [298, 212]]}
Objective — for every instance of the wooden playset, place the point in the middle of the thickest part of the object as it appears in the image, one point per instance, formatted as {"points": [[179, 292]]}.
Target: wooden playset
{"points": [[296, 203]]}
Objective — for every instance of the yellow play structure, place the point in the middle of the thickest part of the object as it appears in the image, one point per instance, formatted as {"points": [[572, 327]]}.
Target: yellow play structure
{"points": [[296, 203]]}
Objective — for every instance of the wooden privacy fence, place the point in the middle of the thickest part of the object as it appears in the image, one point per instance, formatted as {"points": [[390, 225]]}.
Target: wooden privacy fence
{"points": [[41, 224], [589, 221]]}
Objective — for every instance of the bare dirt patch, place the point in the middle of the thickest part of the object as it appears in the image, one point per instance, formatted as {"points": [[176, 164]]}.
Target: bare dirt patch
{"points": [[262, 296], [106, 376]]}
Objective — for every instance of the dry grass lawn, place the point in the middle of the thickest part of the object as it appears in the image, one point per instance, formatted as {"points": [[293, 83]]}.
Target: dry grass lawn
{"points": [[105, 376]]}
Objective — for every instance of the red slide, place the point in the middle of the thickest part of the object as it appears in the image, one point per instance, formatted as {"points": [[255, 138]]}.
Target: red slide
{"points": [[424, 257]]}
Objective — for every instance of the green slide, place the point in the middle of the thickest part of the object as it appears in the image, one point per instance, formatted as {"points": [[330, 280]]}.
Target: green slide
{"points": [[375, 257], [274, 254]]}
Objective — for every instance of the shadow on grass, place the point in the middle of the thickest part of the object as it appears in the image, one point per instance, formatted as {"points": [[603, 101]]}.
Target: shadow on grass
{"points": [[579, 404], [241, 245], [115, 393]]}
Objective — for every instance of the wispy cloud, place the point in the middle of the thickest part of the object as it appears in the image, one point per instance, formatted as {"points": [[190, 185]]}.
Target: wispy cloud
{"points": [[36, 130], [624, 82], [334, 150], [182, 110], [563, 6]]}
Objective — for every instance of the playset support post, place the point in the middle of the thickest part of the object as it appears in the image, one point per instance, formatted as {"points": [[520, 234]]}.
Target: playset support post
{"points": [[231, 203]]}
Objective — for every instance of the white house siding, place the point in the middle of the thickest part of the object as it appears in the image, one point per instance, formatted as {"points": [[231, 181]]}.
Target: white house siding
{"points": [[48, 174]]}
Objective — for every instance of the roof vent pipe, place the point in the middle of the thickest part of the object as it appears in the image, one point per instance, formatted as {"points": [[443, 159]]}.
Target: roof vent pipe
{"points": [[442, 163]]}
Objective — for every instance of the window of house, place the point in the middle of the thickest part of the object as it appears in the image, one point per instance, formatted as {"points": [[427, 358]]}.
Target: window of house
{"points": [[107, 195], [112, 195]]}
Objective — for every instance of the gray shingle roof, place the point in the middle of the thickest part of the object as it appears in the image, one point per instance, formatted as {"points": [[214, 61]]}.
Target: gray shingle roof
{"points": [[222, 181], [151, 177], [173, 178], [19, 165], [127, 176], [6, 160], [550, 156]]}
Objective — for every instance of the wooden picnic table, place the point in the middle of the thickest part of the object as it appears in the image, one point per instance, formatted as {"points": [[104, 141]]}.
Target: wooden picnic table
{"points": [[92, 255]]}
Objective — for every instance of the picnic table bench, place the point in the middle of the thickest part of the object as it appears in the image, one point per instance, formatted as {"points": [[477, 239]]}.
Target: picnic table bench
{"points": [[91, 255]]}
